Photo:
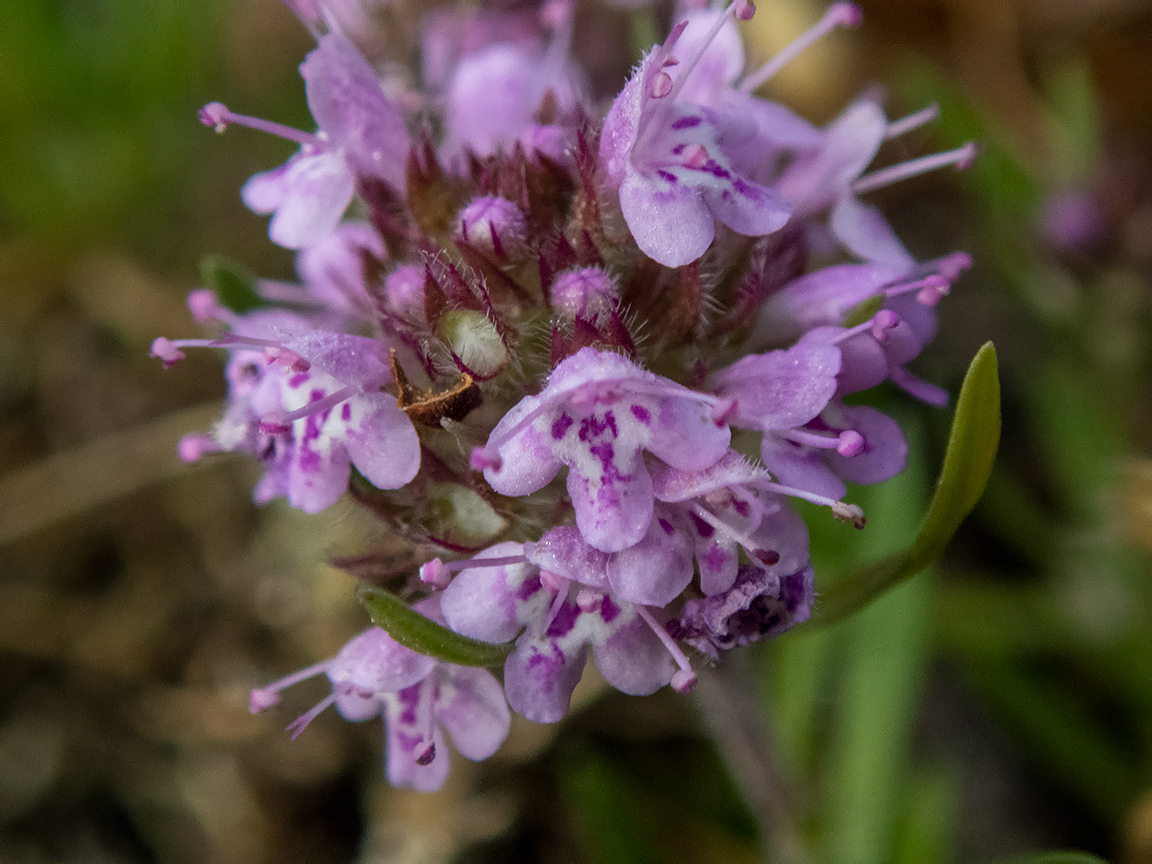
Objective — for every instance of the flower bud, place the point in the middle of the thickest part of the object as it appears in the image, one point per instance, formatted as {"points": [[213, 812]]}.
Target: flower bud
{"points": [[474, 341], [496, 226], [589, 293]]}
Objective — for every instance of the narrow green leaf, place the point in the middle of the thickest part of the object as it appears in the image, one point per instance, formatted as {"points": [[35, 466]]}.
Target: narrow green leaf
{"points": [[234, 286], [967, 465], [413, 630]]}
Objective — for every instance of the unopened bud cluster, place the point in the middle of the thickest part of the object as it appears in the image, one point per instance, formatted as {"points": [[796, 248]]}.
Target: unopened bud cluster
{"points": [[581, 361]]}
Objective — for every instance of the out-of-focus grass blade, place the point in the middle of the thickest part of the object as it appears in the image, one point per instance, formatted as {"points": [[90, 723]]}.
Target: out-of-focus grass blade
{"points": [[869, 752], [1055, 858], [612, 828], [884, 651], [413, 630], [1061, 735], [967, 465], [929, 831]]}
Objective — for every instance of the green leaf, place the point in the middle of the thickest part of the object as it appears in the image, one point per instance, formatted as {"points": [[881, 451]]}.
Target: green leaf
{"points": [[865, 309], [967, 465], [234, 286], [413, 630]]}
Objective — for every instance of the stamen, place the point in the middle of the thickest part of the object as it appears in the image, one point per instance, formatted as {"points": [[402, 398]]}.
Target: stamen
{"points": [[846, 443], [840, 509], [280, 421], [918, 387], [166, 351], [961, 157], [263, 698], [683, 680], [723, 527], [219, 117], [686, 72], [588, 600], [472, 563], [561, 585], [301, 723], [194, 446], [724, 411], [913, 121], [434, 573], [205, 306], [882, 322], [934, 285], [838, 15], [952, 265]]}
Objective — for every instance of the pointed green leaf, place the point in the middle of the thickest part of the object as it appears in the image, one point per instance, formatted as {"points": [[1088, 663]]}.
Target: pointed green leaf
{"points": [[967, 465], [234, 286], [413, 630]]}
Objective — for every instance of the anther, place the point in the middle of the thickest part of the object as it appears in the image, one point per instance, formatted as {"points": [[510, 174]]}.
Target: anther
{"points": [[724, 411], [434, 573], [426, 756], [882, 322], [166, 352], [481, 460], [683, 680], [849, 513]]}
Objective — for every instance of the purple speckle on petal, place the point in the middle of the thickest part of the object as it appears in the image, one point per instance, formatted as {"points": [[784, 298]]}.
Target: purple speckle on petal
{"points": [[309, 459], [409, 698], [528, 587], [608, 610], [346, 412], [641, 413], [564, 621], [298, 379], [666, 175], [687, 123], [560, 426], [702, 528]]}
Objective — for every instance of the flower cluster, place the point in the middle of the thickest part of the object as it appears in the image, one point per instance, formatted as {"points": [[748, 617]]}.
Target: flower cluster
{"points": [[581, 360]]}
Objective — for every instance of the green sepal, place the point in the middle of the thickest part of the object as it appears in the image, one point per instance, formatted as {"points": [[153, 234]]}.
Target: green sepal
{"points": [[967, 465], [865, 309], [235, 287], [425, 636]]}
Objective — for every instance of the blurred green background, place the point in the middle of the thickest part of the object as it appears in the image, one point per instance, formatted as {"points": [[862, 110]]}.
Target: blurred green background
{"points": [[997, 705]]}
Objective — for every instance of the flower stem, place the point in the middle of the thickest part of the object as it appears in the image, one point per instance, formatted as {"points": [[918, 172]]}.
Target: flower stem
{"points": [[728, 700]]}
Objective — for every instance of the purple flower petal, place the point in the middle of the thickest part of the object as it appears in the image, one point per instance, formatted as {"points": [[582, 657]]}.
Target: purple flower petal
{"points": [[669, 221], [316, 190], [613, 507], [472, 707], [655, 570], [781, 389], [686, 437], [493, 603], [565, 552], [374, 662], [539, 679], [866, 233], [382, 442], [634, 661], [885, 450]]}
